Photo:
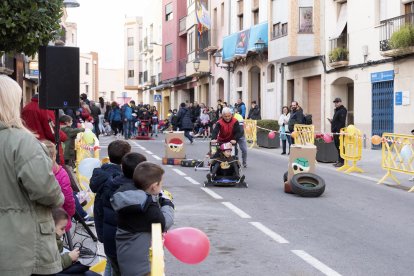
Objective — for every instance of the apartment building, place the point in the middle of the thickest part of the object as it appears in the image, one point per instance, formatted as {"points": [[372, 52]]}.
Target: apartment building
{"points": [[132, 59], [151, 53], [89, 75], [111, 86], [243, 53], [367, 66], [296, 44]]}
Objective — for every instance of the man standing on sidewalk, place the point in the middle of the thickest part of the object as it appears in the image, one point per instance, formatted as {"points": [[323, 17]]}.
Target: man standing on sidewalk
{"points": [[338, 122]]}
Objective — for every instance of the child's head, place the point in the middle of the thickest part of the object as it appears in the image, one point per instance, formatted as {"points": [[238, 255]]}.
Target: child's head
{"points": [[148, 177], [61, 220], [130, 161], [117, 150], [51, 149], [66, 120], [226, 149]]}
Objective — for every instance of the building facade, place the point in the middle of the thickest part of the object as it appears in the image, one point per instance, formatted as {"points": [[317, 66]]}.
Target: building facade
{"points": [[132, 59], [89, 75], [111, 86]]}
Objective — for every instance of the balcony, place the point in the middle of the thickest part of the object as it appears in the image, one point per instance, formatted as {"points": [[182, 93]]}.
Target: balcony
{"points": [[181, 67], [182, 27], [279, 30], [338, 51], [153, 80], [397, 36]]}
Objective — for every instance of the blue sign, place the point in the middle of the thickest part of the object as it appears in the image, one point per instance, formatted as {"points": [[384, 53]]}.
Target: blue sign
{"points": [[157, 98], [382, 76], [398, 98]]}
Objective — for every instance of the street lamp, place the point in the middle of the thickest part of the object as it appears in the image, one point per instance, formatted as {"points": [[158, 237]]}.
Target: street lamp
{"points": [[260, 46], [196, 64], [71, 4], [217, 60]]}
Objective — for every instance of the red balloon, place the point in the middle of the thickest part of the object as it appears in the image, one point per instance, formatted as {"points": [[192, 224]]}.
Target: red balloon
{"points": [[187, 244], [327, 138], [271, 135]]}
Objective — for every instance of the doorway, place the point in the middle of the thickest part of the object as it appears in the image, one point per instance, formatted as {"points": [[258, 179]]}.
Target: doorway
{"points": [[314, 101], [220, 89], [255, 86]]}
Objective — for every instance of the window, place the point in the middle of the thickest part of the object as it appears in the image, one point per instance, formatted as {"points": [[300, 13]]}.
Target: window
{"points": [[305, 20], [271, 73], [279, 30], [409, 8], [222, 14], [168, 12], [73, 38], [256, 17], [130, 73], [168, 52], [86, 88], [240, 22], [112, 95], [190, 42], [87, 68], [130, 41], [240, 79]]}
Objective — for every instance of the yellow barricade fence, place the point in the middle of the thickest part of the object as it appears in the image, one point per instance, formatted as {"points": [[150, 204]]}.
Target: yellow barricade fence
{"points": [[350, 145], [397, 155], [250, 129], [157, 251], [305, 134]]}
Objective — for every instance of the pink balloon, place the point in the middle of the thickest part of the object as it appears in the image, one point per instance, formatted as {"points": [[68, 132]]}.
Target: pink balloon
{"points": [[327, 138], [271, 135], [187, 244]]}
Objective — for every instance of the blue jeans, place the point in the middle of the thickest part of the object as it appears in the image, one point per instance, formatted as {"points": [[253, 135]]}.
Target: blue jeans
{"points": [[243, 148], [127, 126], [155, 129]]}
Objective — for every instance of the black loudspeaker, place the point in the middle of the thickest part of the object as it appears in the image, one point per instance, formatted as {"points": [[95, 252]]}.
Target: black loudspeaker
{"points": [[58, 77]]}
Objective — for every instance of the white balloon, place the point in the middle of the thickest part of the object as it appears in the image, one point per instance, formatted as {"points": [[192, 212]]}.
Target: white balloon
{"points": [[406, 153], [88, 125], [87, 165]]}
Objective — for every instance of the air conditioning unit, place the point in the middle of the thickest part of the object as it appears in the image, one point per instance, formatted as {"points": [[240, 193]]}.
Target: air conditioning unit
{"points": [[6, 64]]}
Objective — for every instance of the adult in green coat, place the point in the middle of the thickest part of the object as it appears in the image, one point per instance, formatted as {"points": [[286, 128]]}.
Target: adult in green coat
{"points": [[28, 191]]}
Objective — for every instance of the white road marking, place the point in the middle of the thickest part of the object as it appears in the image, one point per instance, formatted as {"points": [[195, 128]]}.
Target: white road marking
{"points": [[276, 237], [149, 152], [236, 210], [156, 157], [211, 193], [170, 166], [315, 263], [192, 180], [179, 172]]}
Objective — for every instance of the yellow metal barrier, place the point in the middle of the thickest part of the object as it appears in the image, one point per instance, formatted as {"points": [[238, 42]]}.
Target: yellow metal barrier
{"points": [[305, 134], [397, 155], [157, 251], [350, 145], [250, 130]]}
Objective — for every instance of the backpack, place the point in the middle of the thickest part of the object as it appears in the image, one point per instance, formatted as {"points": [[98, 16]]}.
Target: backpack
{"points": [[307, 119]]}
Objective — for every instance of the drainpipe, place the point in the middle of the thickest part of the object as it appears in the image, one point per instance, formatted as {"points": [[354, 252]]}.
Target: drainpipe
{"points": [[282, 80], [228, 72]]}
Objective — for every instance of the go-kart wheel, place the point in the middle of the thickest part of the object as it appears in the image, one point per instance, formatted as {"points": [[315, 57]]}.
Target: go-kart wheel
{"points": [[285, 176]]}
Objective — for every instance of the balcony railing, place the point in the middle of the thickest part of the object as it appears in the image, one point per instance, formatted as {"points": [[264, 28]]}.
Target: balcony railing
{"points": [[182, 66], [338, 48], [182, 25], [390, 26]]}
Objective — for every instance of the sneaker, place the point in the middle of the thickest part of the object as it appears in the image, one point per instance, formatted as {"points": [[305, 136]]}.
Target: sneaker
{"points": [[209, 177], [244, 165], [337, 165], [242, 179], [283, 153]]}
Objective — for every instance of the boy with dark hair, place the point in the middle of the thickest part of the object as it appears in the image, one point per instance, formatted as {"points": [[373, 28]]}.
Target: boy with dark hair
{"points": [[129, 162], [139, 205], [116, 151], [69, 145]]}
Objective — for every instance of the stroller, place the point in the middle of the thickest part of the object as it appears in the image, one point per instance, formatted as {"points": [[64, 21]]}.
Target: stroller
{"points": [[225, 171], [143, 129]]}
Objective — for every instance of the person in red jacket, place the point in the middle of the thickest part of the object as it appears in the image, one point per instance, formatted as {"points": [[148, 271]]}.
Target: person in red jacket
{"points": [[227, 129], [41, 122]]}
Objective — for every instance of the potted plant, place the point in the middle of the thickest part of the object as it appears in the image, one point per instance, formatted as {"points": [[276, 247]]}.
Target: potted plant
{"points": [[263, 139], [403, 38], [325, 152], [338, 54]]}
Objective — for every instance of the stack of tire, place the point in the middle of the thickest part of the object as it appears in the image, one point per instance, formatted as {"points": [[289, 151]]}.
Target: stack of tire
{"points": [[305, 184]]}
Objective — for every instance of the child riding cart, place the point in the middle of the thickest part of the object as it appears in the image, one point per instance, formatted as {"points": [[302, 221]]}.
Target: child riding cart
{"points": [[143, 129]]}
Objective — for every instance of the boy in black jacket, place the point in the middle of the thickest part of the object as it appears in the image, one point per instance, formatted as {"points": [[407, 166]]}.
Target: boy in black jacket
{"points": [[129, 162], [138, 207], [116, 151]]}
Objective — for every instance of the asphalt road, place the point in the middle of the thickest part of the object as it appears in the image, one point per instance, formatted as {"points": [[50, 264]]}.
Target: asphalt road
{"points": [[355, 228]]}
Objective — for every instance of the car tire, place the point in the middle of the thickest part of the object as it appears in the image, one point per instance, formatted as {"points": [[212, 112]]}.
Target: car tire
{"points": [[307, 185], [285, 177]]}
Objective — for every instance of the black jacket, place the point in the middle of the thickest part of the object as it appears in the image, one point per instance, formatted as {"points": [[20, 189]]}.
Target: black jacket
{"points": [[184, 119], [254, 113], [296, 117], [339, 119], [99, 177]]}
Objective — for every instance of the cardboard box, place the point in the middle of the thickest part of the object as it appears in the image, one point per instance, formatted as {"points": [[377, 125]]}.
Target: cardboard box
{"points": [[174, 145], [301, 160]]}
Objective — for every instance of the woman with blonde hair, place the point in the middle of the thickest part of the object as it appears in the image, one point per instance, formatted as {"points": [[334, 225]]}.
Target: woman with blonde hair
{"points": [[28, 191]]}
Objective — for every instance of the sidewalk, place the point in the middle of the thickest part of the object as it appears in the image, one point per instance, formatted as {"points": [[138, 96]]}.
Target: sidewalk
{"points": [[370, 163]]}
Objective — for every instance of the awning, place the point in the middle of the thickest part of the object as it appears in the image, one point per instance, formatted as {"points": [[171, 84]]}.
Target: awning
{"points": [[160, 87], [342, 20]]}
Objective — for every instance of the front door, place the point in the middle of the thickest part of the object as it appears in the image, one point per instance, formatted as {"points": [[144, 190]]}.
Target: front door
{"points": [[382, 108]]}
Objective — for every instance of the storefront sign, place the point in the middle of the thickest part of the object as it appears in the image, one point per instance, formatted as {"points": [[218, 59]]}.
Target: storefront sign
{"points": [[382, 76]]}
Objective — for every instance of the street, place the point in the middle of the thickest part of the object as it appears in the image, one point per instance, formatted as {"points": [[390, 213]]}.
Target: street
{"points": [[355, 228]]}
